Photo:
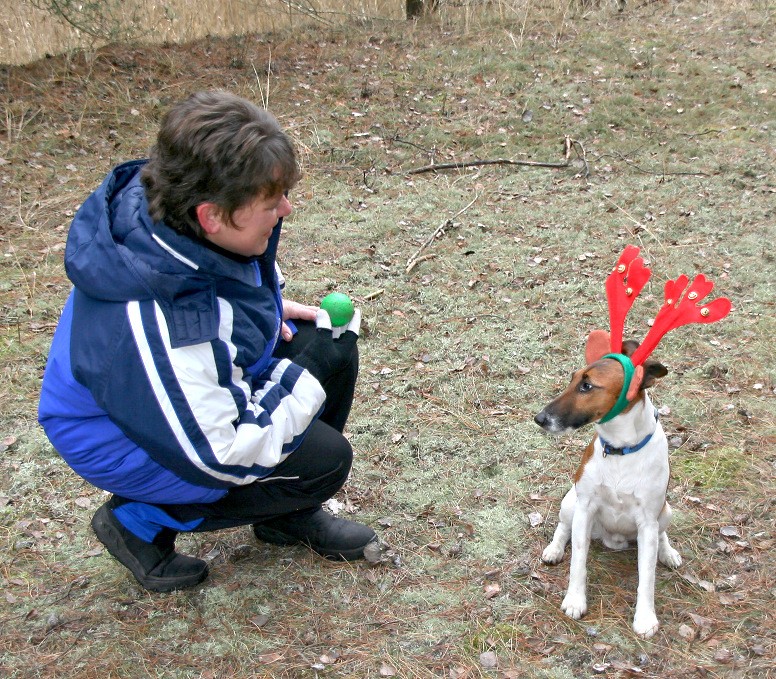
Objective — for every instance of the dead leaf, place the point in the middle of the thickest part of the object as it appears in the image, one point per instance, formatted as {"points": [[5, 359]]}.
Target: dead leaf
{"points": [[731, 598], [703, 584], [492, 590], [535, 519], [331, 657], [723, 655], [730, 532], [686, 632], [387, 671], [334, 506], [268, 658], [379, 552], [488, 660], [700, 621], [259, 620]]}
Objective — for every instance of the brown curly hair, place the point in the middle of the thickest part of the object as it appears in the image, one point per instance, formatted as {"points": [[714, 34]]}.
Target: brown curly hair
{"points": [[220, 148]]}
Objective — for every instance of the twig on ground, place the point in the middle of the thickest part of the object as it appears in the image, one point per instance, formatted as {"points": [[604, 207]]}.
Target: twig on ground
{"points": [[569, 145], [396, 139], [416, 258], [661, 173], [634, 220]]}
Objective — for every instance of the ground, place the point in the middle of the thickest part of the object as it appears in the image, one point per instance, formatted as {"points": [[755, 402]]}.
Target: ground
{"points": [[654, 126]]}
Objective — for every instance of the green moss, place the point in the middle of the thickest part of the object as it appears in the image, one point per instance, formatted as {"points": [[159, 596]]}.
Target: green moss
{"points": [[712, 469]]}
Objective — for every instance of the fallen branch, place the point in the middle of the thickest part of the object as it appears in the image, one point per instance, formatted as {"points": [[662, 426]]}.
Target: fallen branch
{"points": [[661, 173], [568, 145], [416, 258]]}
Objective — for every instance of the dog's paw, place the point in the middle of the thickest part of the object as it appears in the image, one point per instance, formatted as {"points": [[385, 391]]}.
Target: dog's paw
{"points": [[645, 624], [670, 557], [553, 553], [574, 605]]}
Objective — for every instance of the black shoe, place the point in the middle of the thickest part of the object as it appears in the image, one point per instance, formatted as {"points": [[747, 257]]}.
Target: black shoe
{"points": [[155, 565], [331, 537]]}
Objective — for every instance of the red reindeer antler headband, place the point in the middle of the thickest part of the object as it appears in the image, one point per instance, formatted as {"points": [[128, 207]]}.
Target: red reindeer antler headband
{"points": [[682, 306]]}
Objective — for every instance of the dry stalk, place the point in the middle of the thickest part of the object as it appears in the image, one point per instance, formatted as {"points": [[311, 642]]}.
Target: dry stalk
{"points": [[415, 258], [264, 97]]}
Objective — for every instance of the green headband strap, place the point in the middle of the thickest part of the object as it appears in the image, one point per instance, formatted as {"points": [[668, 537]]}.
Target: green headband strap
{"points": [[622, 401]]}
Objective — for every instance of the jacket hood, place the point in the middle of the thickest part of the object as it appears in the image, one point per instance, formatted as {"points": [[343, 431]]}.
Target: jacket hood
{"points": [[115, 252], [110, 253]]}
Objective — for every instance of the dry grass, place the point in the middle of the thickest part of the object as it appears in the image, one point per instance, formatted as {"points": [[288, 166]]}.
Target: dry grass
{"points": [[28, 31], [674, 106]]}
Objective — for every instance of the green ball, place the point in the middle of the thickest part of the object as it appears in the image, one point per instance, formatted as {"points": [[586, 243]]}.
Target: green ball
{"points": [[340, 308]]}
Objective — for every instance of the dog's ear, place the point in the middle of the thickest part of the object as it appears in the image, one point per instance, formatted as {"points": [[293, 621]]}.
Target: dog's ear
{"points": [[636, 382], [597, 345], [629, 346], [653, 371]]}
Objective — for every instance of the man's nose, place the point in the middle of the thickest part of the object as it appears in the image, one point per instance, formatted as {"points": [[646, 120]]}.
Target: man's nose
{"points": [[285, 208]]}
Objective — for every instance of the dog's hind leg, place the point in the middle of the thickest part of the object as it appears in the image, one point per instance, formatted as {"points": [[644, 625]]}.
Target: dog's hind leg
{"points": [[666, 554], [553, 552]]}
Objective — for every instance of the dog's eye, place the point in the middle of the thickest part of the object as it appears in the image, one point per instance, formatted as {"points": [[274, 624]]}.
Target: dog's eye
{"points": [[584, 387]]}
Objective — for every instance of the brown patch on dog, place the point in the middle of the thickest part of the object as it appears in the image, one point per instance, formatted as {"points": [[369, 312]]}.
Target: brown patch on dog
{"points": [[585, 457], [592, 392]]}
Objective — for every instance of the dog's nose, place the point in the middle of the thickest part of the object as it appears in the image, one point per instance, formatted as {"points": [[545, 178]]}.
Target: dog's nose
{"points": [[541, 418]]}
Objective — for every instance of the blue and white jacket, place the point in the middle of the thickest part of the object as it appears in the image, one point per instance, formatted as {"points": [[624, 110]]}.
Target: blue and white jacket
{"points": [[161, 385]]}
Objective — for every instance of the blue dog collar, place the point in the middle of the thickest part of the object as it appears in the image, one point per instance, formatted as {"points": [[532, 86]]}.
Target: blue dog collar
{"points": [[609, 449]]}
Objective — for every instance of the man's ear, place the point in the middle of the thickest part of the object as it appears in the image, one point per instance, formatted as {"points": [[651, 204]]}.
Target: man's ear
{"points": [[209, 217]]}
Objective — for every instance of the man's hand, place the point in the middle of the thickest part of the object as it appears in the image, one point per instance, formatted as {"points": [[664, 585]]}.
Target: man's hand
{"points": [[293, 310], [325, 356]]}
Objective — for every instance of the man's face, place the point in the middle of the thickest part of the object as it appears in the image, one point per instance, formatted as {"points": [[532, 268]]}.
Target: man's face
{"points": [[252, 227]]}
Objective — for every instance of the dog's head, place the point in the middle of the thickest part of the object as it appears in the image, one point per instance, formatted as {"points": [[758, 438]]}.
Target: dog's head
{"points": [[594, 390]]}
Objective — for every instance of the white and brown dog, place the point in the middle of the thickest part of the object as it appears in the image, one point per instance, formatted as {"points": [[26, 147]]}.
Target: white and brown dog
{"points": [[619, 491]]}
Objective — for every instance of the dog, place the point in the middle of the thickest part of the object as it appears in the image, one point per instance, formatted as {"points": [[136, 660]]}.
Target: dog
{"points": [[619, 491]]}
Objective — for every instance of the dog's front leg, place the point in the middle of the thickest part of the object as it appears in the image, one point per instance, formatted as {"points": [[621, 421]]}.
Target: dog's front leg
{"points": [[553, 552], [645, 622], [575, 602]]}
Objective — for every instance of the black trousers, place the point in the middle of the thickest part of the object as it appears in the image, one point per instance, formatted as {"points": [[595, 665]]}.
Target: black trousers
{"points": [[312, 474]]}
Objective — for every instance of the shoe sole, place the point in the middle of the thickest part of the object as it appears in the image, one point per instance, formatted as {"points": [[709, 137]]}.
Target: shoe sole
{"points": [[113, 542], [276, 537]]}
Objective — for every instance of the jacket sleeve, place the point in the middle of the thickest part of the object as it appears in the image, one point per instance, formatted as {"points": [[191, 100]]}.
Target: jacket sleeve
{"points": [[224, 424]]}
